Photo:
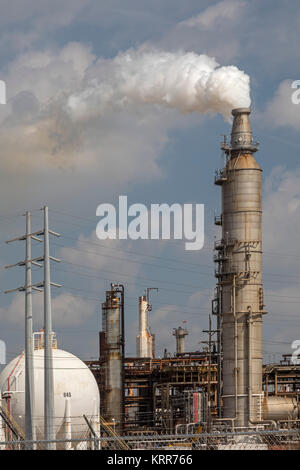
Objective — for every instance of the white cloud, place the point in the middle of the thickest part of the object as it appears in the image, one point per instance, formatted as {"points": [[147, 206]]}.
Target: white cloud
{"points": [[50, 72], [281, 228], [67, 310], [281, 111], [121, 132], [281, 220], [214, 31], [68, 110], [106, 259], [42, 143], [215, 15], [282, 320], [24, 23], [52, 12]]}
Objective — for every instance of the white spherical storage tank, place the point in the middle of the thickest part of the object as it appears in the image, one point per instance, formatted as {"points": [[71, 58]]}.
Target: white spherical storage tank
{"points": [[76, 393]]}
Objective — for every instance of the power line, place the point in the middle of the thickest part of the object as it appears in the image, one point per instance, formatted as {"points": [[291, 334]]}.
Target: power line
{"points": [[268, 253], [129, 260], [162, 281], [133, 276]]}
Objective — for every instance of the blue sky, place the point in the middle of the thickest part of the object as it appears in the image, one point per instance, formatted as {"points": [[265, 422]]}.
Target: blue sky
{"points": [[150, 153]]}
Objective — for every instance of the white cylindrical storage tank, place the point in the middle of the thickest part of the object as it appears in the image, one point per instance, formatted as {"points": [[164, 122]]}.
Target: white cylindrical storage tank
{"points": [[73, 382]]}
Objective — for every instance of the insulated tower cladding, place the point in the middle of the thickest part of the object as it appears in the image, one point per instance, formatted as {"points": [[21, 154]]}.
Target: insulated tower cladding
{"points": [[180, 334], [112, 353], [239, 301], [144, 340]]}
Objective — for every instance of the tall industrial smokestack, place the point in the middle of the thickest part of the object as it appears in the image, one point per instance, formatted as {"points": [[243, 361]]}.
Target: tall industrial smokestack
{"points": [[239, 302], [180, 334], [144, 339], [112, 352]]}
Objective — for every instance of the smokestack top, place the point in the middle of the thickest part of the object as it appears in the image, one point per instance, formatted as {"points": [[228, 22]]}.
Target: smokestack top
{"points": [[241, 134], [237, 111]]}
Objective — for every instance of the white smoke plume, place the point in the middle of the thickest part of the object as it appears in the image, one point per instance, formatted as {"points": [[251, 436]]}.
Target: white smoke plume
{"points": [[63, 103], [186, 81]]}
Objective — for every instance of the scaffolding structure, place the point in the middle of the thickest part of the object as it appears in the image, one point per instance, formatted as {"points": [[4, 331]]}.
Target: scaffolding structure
{"points": [[282, 379], [164, 382]]}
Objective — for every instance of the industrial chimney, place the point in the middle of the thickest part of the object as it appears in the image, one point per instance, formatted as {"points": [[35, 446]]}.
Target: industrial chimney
{"points": [[180, 334], [112, 356], [145, 340], [239, 301]]}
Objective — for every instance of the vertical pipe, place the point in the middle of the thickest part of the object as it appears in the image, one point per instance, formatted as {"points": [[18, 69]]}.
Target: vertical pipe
{"points": [[250, 364], [209, 380], [2, 429], [68, 425], [48, 354], [29, 371], [235, 349], [150, 346], [95, 425], [123, 356], [219, 352]]}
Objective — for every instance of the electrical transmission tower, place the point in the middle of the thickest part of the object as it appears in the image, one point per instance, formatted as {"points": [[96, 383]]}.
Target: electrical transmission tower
{"points": [[28, 287]]}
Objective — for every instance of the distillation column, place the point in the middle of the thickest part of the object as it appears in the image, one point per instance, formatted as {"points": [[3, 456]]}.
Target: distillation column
{"points": [[144, 339], [113, 391], [180, 334], [239, 272]]}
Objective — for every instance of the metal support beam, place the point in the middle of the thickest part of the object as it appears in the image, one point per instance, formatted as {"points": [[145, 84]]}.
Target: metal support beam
{"points": [[29, 371]]}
